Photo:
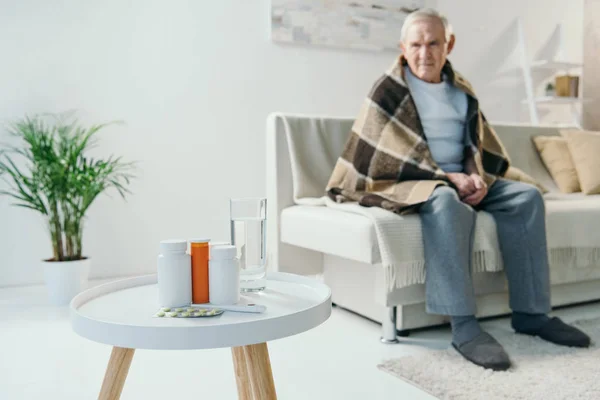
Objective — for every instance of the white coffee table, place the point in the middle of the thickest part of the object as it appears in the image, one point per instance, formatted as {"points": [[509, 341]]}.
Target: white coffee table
{"points": [[121, 314]]}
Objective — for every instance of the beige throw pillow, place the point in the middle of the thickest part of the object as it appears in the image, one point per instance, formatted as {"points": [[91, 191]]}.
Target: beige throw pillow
{"points": [[556, 157], [584, 147], [515, 174]]}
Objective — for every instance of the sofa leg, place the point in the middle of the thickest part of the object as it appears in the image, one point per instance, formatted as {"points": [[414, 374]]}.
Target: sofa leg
{"points": [[389, 326]]}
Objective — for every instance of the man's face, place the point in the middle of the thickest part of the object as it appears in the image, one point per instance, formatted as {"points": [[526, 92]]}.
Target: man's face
{"points": [[425, 48]]}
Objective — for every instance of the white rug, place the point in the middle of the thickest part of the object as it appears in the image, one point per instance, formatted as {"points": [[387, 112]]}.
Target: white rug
{"points": [[540, 370]]}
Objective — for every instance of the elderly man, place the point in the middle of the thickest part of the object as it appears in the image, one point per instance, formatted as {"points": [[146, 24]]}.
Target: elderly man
{"points": [[420, 143]]}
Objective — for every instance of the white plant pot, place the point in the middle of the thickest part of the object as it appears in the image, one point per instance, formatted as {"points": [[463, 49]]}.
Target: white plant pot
{"points": [[65, 279]]}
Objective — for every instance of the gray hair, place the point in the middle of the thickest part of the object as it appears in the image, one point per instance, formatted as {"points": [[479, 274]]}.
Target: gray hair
{"points": [[425, 13]]}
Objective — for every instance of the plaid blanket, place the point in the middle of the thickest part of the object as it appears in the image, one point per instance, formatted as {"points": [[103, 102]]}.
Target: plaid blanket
{"points": [[386, 161]]}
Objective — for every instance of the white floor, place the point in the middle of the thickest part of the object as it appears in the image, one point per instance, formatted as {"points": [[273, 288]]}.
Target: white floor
{"points": [[41, 358]]}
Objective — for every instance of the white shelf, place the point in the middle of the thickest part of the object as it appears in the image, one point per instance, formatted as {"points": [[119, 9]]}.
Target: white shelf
{"points": [[551, 64], [557, 100], [539, 64]]}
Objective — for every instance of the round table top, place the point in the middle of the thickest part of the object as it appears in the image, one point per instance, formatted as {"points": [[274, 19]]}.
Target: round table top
{"points": [[122, 313]]}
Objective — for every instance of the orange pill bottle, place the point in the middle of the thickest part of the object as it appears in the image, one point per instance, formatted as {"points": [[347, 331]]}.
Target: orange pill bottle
{"points": [[199, 252]]}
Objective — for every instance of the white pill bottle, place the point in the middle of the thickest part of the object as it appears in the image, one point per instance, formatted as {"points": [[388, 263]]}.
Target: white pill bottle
{"points": [[223, 275], [174, 274]]}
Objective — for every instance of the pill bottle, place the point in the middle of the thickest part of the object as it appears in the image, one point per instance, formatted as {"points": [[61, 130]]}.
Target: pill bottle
{"points": [[200, 286], [174, 274], [224, 274]]}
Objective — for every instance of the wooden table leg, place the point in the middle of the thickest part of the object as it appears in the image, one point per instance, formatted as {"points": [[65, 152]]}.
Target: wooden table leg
{"points": [[259, 371], [242, 378], [116, 373]]}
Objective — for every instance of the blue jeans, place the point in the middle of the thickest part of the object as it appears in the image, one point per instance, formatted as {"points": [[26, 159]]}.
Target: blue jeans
{"points": [[448, 232]]}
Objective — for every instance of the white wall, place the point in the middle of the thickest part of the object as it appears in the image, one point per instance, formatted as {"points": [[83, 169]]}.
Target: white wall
{"points": [[194, 82]]}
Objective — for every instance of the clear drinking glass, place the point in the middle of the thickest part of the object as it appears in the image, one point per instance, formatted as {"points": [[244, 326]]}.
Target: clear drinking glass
{"points": [[248, 218]]}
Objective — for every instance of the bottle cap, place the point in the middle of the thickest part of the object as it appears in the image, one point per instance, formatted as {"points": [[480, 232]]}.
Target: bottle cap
{"points": [[223, 252], [200, 240], [173, 245], [212, 244]]}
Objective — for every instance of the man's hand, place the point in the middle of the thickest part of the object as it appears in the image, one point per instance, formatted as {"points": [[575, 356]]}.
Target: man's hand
{"points": [[464, 183], [481, 191]]}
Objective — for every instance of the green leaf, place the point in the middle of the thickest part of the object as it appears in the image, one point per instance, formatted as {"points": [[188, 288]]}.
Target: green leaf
{"points": [[26, 206]]}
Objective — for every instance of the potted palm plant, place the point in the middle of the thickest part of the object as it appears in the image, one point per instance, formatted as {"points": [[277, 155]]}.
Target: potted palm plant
{"points": [[48, 171]]}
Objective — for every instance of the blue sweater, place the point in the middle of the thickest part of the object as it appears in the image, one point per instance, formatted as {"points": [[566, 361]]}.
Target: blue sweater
{"points": [[442, 109]]}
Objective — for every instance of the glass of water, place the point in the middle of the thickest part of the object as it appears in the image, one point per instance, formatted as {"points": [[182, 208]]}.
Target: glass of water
{"points": [[248, 218]]}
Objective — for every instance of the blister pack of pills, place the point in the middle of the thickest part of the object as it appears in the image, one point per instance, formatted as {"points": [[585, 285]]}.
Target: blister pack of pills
{"points": [[187, 312]]}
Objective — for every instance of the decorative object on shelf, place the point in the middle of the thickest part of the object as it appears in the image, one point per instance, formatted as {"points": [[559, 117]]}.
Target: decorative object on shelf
{"points": [[567, 86], [550, 91], [51, 173], [358, 24]]}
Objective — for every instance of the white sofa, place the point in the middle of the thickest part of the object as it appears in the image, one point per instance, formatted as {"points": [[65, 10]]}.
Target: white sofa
{"points": [[342, 246]]}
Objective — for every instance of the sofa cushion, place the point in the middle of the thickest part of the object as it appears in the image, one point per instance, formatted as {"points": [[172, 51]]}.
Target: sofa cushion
{"points": [[573, 223], [555, 153], [350, 235], [522, 151], [584, 147], [573, 236], [571, 196], [331, 231], [515, 174]]}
